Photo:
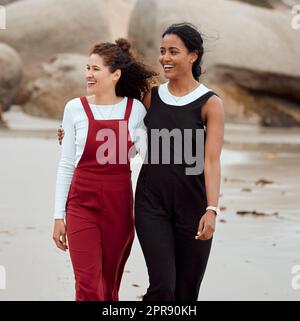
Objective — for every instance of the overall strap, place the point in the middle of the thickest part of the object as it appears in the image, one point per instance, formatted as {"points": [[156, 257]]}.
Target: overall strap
{"points": [[87, 108], [128, 108]]}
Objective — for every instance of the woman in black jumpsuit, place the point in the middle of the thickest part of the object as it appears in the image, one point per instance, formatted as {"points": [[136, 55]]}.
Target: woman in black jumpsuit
{"points": [[171, 206]]}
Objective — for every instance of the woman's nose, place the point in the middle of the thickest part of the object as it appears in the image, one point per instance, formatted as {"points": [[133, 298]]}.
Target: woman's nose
{"points": [[166, 57], [89, 74]]}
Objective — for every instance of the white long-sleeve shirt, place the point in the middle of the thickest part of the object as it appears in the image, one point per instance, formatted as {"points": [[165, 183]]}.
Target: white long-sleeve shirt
{"points": [[75, 125]]}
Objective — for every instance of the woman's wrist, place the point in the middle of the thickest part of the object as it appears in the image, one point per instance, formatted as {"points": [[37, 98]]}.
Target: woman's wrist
{"points": [[214, 209]]}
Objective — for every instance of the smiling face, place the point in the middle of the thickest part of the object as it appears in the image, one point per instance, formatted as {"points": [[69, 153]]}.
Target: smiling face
{"points": [[175, 58], [98, 76]]}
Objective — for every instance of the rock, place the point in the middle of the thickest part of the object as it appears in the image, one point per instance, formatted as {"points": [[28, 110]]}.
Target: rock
{"points": [[256, 213], [40, 29], [22, 94], [119, 14], [62, 79], [6, 2], [261, 3], [263, 181], [285, 5], [10, 76], [250, 107], [250, 54], [1, 118]]}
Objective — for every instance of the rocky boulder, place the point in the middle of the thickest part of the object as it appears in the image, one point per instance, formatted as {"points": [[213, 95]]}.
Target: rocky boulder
{"points": [[250, 50], [6, 2], [40, 29], [10, 75], [61, 79]]}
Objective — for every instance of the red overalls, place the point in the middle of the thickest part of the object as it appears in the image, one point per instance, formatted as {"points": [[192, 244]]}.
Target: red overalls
{"points": [[99, 209]]}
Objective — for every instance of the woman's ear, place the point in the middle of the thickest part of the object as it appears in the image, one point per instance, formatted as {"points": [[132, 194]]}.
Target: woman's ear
{"points": [[117, 75], [194, 56]]}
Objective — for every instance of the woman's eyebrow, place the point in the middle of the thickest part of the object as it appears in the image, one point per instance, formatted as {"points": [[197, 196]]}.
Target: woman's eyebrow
{"points": [[170, 48], [92, 66]]}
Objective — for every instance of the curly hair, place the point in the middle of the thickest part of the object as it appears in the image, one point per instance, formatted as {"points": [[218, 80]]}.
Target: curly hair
{"points": [[136, 78]]}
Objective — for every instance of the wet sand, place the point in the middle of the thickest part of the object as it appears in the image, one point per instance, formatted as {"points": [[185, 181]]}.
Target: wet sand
{"points": [[252, 255]]}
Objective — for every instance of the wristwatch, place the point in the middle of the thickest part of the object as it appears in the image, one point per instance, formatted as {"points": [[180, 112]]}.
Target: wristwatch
{"points": [[214, 208]]}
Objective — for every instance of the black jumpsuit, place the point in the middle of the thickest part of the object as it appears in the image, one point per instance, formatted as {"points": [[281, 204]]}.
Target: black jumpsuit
{"points": [[168, 208]]}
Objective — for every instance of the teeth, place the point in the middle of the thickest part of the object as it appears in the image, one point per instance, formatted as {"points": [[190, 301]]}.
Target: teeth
{"points": [[168, 67]]}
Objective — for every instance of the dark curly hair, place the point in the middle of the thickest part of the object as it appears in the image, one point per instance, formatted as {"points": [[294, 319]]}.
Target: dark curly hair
{"points": [[193, 41], [136, 78]]}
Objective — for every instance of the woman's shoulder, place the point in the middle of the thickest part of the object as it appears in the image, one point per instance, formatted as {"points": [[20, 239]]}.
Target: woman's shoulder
{"points": [[74, 104], [213, 105], [74, 109], [213, 96], [138, 106]]}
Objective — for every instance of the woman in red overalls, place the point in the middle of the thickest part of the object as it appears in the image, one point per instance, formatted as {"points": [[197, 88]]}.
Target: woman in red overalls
{"points": [[98, 205]]}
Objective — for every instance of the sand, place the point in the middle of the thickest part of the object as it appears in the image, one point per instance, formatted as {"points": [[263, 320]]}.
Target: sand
{"points": [[252, 256]]}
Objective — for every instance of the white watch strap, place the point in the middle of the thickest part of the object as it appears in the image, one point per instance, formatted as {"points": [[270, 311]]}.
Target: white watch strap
{"points": [[214, 208]]}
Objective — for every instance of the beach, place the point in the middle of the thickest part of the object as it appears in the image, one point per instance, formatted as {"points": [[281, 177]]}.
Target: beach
{"points": [[253, 252]]}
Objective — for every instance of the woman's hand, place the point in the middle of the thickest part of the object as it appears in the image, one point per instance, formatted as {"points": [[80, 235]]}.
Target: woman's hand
{"points": [[60, 134], [59, 234], [207, 226]]}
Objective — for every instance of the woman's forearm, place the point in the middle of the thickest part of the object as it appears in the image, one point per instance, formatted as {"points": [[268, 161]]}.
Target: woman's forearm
{"points": [[66, 165], [212, 173]]}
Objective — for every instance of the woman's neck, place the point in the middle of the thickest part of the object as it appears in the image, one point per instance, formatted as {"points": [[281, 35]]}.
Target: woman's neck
{"points": [[105, 99], [182, 86]]}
